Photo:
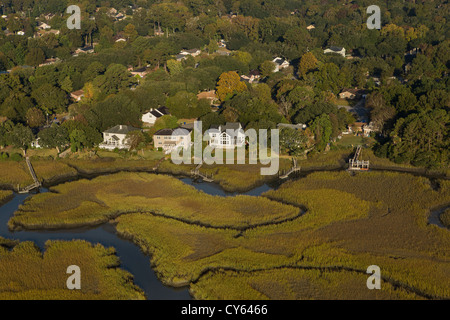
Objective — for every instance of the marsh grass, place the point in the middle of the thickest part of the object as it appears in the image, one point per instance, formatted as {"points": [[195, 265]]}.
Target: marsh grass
{"points": [[5, 196], [26, 273], [105, 165], [232, 177], [352, 222], [293, 284], [96, 201], [445, 218]]}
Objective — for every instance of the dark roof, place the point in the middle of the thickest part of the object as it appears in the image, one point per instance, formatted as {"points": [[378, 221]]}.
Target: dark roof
{"points": [[279, 61], [121, 129], [170, 132], [164, 110], [156, 113], [254, 73], [143, 69], [337, 49], [164, 132], [87, 48], [229, 126]]}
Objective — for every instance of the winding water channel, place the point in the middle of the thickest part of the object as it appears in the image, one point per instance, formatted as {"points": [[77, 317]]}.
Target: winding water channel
{"points": [[131, 257]]}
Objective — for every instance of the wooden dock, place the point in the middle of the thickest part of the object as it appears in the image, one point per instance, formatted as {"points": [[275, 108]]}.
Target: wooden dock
{"points": [[358, 165], [294, 169], [37, 184], [196, 174]]}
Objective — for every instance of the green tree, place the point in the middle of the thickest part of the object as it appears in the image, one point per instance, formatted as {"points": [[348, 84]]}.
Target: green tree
{"points": [[21, 137], [35, 57], [54, 137], [322, 128], [35, 118]]}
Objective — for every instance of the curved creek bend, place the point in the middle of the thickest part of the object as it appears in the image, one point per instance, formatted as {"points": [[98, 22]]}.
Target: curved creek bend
{"points": [[131, 257]]}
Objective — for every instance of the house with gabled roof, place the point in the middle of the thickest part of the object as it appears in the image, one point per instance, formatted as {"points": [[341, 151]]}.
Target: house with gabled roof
{"points": [[280, 64], [116, 137], [149, 118], [171, 139], [227, 136], [337, 50]]}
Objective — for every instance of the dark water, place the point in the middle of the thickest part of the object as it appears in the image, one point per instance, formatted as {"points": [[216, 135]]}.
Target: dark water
{"points": [[434, 217], [131, 257]]}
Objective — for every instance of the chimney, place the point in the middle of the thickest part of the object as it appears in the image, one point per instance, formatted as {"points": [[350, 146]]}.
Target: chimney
{"points": [[121, 127]]}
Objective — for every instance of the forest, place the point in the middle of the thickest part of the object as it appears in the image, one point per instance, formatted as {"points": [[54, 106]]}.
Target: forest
{"points": [[403, 68]]}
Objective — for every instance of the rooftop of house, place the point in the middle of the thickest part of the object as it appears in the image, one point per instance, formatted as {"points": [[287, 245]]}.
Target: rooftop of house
{"points": [[78, 93], [232, 126], [121, 129], [173, 132], [336, 49], [162, 111]]}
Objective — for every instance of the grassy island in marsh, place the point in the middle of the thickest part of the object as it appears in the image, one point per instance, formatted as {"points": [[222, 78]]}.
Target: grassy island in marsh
{"points": [[351, 222], [91, 202], [27, 273]]}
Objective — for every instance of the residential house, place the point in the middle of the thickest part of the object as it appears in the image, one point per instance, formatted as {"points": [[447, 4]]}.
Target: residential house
{"points": [[337, 50], [35, 144], [149, 118], [49, 62], [43, 26], [87, 49], [21, 33], [77, 95], [310, 27], [227, 136], [357, 127], [141, 72], [116, 137], [171, 139], [252, 77], [280, 64], [352, 94], [185, 53], [368, 129], [208, 95]]}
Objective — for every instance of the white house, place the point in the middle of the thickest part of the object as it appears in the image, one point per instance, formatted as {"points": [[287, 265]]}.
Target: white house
{"points": [[171, 139], [149, 118], [337, 50], [44, 26], [227, 136], [280, 64], [115, 137]]}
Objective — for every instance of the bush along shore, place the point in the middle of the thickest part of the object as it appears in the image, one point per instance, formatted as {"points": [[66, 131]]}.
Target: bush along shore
{"points": [[351, 222]]}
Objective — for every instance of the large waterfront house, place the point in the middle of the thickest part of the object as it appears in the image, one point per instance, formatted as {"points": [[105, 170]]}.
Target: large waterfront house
{"points": [[149, 118], [116, 137], [170, 139], [227, 136]]}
